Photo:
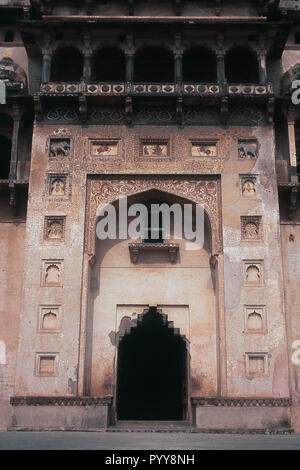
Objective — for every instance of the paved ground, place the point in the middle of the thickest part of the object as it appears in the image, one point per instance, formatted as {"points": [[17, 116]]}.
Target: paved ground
{"points": [[144, 440]]}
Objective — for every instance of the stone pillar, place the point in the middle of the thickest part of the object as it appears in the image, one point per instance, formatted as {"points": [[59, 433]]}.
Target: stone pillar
{"points": [[178, 67], [262, 68], [87, 67], [221, 67], [129, 67], [14, 148], [46, 72]]}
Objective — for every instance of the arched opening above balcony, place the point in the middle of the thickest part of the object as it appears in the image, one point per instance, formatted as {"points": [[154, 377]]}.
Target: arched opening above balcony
{"points": [[67, 65], [241, 66], [109, 65], [154, 64], [199, 65]]}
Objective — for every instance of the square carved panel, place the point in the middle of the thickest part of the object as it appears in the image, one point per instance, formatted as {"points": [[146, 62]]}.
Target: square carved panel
{"points": [[104, 148], [59, 147], [248, 186], [257, 365], [46, 364], [204, 148], [54, 228], [154, 148], [251, 228], [248, 149], [58, 186]]}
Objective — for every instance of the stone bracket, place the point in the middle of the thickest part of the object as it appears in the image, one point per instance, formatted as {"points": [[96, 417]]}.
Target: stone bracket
{"points": [[39, 115], [136, 248]]}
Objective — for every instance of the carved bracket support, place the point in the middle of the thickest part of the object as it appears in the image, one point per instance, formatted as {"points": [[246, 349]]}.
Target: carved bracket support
{"points": [[224, 110], [83, 109], [128, 110], [38, 108], [136, 248]]}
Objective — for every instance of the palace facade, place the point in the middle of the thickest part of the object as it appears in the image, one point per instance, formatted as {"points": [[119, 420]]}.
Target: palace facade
{"points": [[184, 101]]}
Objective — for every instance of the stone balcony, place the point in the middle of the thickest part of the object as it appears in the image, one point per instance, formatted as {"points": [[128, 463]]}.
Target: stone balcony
{"points": [[155, 89]]}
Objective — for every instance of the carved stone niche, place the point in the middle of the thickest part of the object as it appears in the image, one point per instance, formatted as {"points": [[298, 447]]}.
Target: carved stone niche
{"points": [[57, 185], [255, 319], [251, 228], [257, 365], [46, 364], [54, 228], [248, 149], [52, 273], [49, 319], [253, 273], [248, 186], [59, 147]]}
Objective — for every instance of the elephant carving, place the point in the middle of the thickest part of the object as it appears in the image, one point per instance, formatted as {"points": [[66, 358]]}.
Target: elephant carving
{"points": [[248, 150], [60, 148]]}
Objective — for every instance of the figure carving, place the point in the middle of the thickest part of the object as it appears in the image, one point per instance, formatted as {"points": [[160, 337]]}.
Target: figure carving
{"points": [[60, 148], [248, 150], [58, 187], [13, 75]]}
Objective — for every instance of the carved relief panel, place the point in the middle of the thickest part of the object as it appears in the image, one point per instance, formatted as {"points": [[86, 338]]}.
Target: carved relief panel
{"points": [[248, 186], [248, 148], [257, 365], [251, 227], [204, 148], [54, 228]]}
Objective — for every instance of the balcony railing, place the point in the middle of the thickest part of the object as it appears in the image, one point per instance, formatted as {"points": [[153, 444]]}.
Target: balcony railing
{"points": [[154, 89]]}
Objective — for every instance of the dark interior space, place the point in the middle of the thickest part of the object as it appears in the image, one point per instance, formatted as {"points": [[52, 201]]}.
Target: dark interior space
{"points": [[154, 64], [109, 65], [67, 65], [241, 66], [5, 153], [151, 371], [199, 65]]}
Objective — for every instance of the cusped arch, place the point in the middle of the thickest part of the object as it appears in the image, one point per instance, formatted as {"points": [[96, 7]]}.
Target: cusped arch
{"points": [[205, 192]]}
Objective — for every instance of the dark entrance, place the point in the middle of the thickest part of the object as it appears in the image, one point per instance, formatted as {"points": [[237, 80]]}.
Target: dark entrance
{"points": [[152, 371]]}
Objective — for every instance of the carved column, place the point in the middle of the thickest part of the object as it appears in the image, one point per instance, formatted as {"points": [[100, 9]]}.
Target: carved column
{"points": [[15, 140], [129, 53], [178, 54], [262, 68], [178, 67], [221, 66], [87, 66], [47, 60], [221, 75]]}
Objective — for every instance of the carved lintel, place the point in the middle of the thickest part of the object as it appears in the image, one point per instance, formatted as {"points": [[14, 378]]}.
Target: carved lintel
{"points": [[38, 108], [213, 261], [270, 109], [92, 259], [83, 108], [224, 110], [179, 111], [293, 202], [12, 197], [128, 110]]}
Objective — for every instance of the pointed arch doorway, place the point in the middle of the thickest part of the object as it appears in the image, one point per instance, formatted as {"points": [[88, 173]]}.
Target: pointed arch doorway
{"points": [[152, 371]]}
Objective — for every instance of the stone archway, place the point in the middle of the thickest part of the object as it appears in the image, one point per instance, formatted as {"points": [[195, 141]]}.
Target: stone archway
{"points": [[152, 370]]}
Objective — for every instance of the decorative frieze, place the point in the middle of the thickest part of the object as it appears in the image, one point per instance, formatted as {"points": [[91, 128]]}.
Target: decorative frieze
{"points": [[237, 402], [61, 401]]}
